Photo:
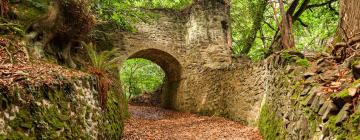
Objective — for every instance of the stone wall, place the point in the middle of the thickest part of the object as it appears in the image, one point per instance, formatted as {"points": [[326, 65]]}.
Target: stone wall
{"points": [[297, 105], [64, 106]]}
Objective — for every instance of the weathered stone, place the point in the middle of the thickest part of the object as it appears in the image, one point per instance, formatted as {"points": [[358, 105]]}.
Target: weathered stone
{"points": [[306, 91], [343, 114], [322, 99], [325, 131], [309, 74], [326, 109], [309, 99], [315, 105], [357, 109]]}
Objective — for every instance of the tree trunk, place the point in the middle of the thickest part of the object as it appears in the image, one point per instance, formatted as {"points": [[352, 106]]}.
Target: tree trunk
{"points": [[65, 24], [286, 28], [348, 33], [4, 7], [350, 19]]}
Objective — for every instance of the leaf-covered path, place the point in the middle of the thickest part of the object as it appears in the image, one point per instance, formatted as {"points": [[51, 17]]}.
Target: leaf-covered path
{"points": [[156, 123]]}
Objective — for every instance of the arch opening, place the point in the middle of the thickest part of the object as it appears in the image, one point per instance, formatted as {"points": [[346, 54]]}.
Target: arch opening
{"points": [[172, 74]]}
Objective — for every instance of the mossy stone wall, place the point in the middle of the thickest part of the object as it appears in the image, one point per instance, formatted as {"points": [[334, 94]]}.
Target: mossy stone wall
{"points": [[68, 110]]}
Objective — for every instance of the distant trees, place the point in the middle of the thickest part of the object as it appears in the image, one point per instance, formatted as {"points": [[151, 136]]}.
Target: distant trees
{"points": [[139, 76], [304, 22]]}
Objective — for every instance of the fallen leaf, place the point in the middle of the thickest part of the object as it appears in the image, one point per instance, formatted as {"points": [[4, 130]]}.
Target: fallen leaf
{"points": [[335, 84]]}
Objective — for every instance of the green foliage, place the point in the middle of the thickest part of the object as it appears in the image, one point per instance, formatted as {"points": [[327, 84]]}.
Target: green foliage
{"points": [[171, 4], [321, 23], [105, 60], [39, 4], [126, 13], [247, 17], [141, 75], [302, 62]]}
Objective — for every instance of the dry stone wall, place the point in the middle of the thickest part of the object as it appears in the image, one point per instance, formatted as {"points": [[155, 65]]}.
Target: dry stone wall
{"points": [[66, 108]]}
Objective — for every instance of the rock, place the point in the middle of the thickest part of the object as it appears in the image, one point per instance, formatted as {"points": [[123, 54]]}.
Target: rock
{"points": [[315, 105], [308, 75], [325, 131], [309, 99], [326, 109], [306, 91], [322, 99], [357, 109], [326, 138], [343, 114]]}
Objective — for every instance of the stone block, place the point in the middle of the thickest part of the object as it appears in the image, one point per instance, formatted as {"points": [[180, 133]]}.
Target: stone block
{"points": [[306, 91], [309, 99], [357, 108], [343, 114], [326, 110], [315, 105]]}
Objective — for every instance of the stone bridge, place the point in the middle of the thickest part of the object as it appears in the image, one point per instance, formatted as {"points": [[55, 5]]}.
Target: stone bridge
{"points": [[193, 48]]}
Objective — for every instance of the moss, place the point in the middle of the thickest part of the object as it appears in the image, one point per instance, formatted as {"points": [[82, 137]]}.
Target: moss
{"points": [[271, 126], [313, 119], [294, 59], [112, 123], [350, 129], [15, 135], [302, 63], [22, 121], [47, 114], [30, 10], [296, 90]]}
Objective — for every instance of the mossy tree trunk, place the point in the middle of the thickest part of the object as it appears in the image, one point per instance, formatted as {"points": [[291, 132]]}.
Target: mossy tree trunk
{"points": [[65, 24]]}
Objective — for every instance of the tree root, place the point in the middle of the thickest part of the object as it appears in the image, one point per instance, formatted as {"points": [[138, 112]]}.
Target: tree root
{"points": [[9, 53]]}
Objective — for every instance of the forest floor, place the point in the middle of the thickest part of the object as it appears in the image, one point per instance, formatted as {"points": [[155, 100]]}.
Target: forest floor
{"points": [[152, 123]]}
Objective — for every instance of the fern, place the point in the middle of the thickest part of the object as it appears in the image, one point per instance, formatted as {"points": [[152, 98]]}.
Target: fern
{"points": [[102, 63]]}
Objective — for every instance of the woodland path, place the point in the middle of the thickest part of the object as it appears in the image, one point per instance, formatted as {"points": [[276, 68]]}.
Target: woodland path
{"points": [[152, 123]]}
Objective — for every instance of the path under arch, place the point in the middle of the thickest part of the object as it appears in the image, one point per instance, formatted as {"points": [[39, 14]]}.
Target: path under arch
{"points": [[153, 123], [172, 69]]}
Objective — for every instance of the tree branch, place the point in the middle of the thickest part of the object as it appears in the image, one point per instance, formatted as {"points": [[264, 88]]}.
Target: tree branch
{"points": [[320, 4], [269, 25], [302, 23]]}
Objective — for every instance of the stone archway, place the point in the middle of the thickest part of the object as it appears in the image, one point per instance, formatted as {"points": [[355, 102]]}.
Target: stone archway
{"points": [[172, 69], [192, 47]]}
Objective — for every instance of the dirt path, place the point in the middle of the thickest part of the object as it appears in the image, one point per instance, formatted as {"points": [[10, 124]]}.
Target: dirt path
{"points": [[152, 123]]}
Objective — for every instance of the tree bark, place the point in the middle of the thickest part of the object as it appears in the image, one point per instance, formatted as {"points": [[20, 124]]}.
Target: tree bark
{"points": [[350, 19], [286, 28], [348, 34], [65, 24]]}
